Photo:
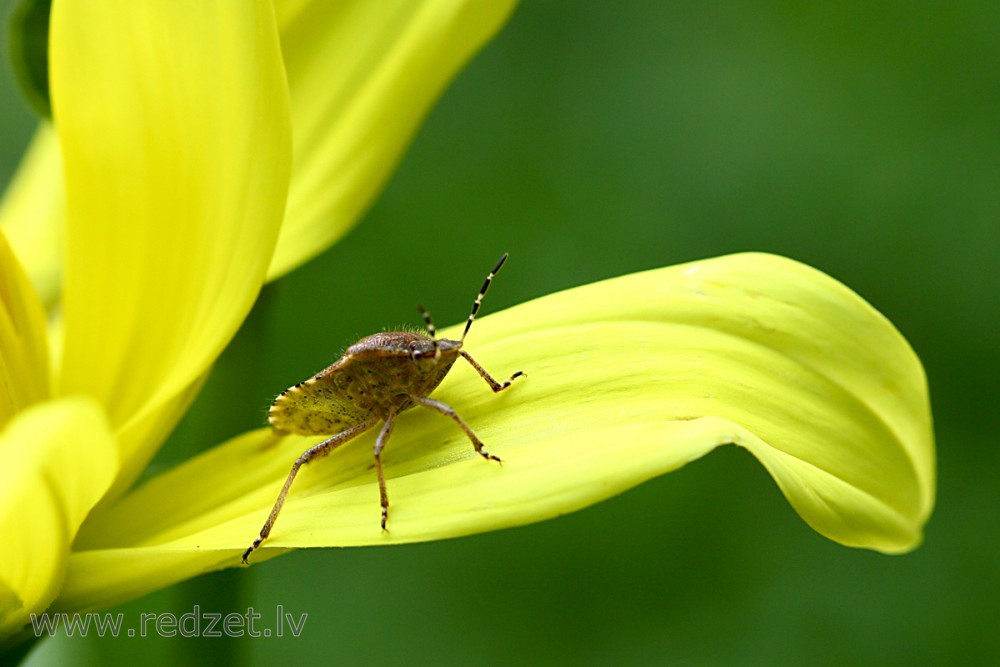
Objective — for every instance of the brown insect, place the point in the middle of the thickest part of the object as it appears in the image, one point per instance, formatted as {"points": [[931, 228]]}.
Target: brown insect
{"points": [[377, 378]]}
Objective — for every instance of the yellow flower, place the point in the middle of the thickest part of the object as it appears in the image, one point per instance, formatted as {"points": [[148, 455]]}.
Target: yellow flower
{"points": [[174, 128], [628, 379], [149, 217]]}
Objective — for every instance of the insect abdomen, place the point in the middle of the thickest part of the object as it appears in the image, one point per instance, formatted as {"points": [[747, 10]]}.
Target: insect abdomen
{"points": [[311, 408]]}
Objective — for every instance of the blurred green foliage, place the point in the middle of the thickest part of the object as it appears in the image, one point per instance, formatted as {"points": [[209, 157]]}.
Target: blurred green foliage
{"points": [[594, 139]]}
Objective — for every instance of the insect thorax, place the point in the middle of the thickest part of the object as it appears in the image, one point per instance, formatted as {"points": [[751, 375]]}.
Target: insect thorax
{"points": [[375, 376]]}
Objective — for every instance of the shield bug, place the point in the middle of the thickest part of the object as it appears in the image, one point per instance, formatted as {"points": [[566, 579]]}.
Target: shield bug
{"points": [[377, 378]]}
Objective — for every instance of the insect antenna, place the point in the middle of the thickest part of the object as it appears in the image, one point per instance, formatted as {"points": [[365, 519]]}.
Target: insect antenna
{"points": [[482, 293], [431, 331]]}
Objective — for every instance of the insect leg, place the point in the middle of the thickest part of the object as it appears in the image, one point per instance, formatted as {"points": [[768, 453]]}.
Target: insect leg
{"points": [[448, 411], [383, 437], [494, 385], [318, 451]]}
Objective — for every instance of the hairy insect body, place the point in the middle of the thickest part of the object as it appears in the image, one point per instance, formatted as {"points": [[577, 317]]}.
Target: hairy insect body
{"points": [[376, 378]]}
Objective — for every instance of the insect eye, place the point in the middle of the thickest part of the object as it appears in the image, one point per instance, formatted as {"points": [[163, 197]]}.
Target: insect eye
{"points": [[421, 353]]}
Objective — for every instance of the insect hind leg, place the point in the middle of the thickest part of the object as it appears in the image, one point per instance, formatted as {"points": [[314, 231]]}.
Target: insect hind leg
{"points": [[315, 452], [449, 411]]}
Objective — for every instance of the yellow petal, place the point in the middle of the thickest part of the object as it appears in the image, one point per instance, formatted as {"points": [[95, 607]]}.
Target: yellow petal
{"points": [[58, 460], [32, 214], [24, 368], [627, 379], [174, 126], [362, 76]]}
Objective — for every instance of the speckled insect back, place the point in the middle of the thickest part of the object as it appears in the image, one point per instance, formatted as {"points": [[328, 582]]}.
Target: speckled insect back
{"points": [[376, 378]]}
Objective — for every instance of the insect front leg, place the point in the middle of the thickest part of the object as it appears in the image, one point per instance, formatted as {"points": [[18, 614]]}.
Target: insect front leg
{"points": [[494, 385], [449, 411], [318, 451], [383, 437]]}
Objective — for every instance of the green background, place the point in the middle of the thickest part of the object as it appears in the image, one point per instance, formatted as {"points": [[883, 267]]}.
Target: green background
{"points": [[594, 139]]}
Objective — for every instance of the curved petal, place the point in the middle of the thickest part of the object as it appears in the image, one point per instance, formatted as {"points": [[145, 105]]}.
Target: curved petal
{"points": [[24, 361], [32, 214], [627, 379], [174, 126], [59, 459], [362, 76]]}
